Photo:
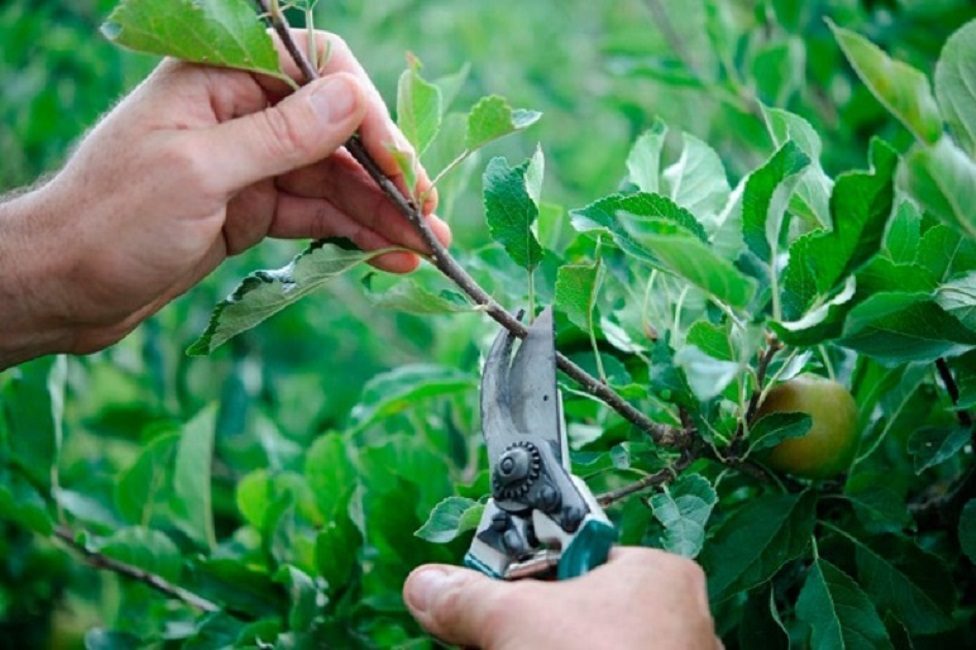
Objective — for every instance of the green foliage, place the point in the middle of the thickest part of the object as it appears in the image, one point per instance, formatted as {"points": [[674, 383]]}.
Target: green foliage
{"points": [[704, 191]]}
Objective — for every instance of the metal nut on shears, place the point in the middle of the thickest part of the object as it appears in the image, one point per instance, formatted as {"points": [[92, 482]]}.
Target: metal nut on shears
{"points": [[517, 468]]}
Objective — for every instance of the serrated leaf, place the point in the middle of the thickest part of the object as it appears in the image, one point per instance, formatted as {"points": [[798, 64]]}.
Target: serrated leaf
{"points": [[418, 107], [510, 211], [821, 260], [946, 252], [932, 446], [449, 519], [958, 297], [576, 291], [604, 215], [644, 159], [898, 327], [967, 530], [942, 178], [900, 88], [707, 376], [214, 32], [683, 509], [812, 194], [421, 293], [901, 577], [839, 613], [772, 429], [679, 252], [756, 540], [955, 85], [713, 340], [264, 293], [492, 118], [766, 197], [191, 477], [761, 625], [696, 180], [399, 389], [147, 549]]}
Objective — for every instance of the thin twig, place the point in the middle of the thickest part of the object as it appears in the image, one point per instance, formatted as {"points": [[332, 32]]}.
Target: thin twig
{"points": [[953, 389], [772, 347], [99, 561], [441, 258]]}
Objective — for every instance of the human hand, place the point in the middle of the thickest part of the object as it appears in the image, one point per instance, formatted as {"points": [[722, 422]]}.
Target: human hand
{"points": [[195, 165], [642, 598]]}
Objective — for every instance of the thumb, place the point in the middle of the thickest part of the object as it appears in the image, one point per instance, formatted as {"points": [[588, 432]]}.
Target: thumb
{"points": [[302, 129], [458, 605]]}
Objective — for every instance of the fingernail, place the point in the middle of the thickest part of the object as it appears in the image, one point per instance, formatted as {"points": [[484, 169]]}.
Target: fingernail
{"points": [[334, 99], [424, 585]]}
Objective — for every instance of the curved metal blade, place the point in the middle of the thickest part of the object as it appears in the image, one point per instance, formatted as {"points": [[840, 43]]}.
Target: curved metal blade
{"points": [[496, 417], [534, 398]]}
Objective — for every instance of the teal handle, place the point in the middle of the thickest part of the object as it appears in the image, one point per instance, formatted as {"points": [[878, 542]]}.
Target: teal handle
{"points": [[588, 550]]}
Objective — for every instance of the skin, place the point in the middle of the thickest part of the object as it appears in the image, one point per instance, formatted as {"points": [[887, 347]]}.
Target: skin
{"points": [[198, 164], [829, 446], [642, 598]]}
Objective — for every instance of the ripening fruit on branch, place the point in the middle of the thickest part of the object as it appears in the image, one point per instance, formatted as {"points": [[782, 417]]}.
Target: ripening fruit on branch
{"points": [[829, 446]]}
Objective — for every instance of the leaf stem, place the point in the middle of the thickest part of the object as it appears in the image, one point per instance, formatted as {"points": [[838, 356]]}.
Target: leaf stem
{"points": [[99, 561], [441, 258]]}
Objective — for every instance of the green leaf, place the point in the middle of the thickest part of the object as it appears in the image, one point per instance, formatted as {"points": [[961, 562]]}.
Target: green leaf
{"points": [[425, 292], [644, 160], [21, 503], [681, 253], [191, 477], [576, 291], [901, 242], [214, 32], [758, 539], [492, 118], [713, 340], [99, 638], [402, 388], [696, 181], [147, 549], [932, 446], [330, 473], [136, 488], [955, 85], [761, 626], [958, 297], [766, 197], [943, 180], [707, 376], [451, 518], [900, 327], [510, 211], [900, 88], [967, 530], [418, 107], [306, 598], [253, 497], [264, 293], [774, 428], [946, 252], [683, 509], [839, 613], [31, 405], [821, 260], [901, 577], [812, 195]]}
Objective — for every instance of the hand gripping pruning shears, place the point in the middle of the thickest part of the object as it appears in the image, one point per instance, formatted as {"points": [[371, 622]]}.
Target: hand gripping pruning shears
{"points": [[540, 518]]}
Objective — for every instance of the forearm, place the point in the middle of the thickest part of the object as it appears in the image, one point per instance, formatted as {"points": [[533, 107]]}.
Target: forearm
{"points": [[31, 279]]}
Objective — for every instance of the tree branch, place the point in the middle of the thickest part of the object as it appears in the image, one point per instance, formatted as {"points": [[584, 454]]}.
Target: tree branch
{"points": [[661, 477], [441, 258], [953, 389], [99, 561]]}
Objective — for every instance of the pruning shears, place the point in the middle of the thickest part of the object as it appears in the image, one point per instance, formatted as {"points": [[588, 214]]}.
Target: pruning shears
{"points": [[540, 518]]}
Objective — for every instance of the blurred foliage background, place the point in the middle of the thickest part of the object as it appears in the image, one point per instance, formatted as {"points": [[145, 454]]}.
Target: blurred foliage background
{"points": [[600, 71]]}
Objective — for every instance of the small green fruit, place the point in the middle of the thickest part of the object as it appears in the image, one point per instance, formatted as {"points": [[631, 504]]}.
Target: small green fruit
{"points": [[829, 446]]}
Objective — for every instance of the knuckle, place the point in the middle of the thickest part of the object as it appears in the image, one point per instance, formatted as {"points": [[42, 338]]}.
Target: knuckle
{"points": [[285, 138]]}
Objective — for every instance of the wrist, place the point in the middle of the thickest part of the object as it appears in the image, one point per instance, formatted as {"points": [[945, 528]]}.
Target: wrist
{"points": [[33, 279]]}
